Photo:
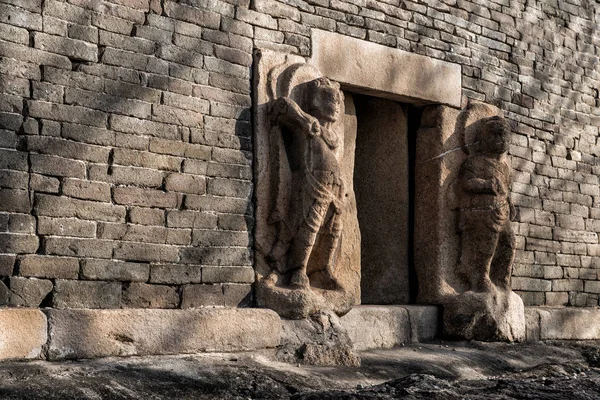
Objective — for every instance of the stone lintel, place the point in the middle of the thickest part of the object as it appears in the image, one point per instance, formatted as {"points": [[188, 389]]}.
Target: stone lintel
{"points": [[23, 333], [380, 327], [382, 71], [85, 333]]}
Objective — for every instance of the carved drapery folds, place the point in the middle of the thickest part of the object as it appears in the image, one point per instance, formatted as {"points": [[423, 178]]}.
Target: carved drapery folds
{"points": [[301, 190], [470, 277]]}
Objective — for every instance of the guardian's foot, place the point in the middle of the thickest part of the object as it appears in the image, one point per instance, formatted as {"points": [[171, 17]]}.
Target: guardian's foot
{"points": [[299, 280]]}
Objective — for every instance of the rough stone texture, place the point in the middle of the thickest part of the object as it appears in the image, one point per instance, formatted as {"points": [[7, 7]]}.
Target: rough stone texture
{"points": [[562, 324], [300, 228], [437, 246], [102, 333], [372, 327], [485, 316], [23, 333], [28, 292], [372, 68], [321, 339]]}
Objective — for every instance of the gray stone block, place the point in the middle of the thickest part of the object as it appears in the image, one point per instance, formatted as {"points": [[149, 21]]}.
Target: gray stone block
{"points": [[102, 333]]}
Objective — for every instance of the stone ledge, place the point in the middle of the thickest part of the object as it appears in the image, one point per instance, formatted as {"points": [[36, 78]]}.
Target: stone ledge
{"points": [[87, 333], [23, 333], [378, 327], [565, 323]]}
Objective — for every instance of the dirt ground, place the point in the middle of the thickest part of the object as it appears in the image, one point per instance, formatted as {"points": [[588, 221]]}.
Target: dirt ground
{"points": [[440, 370]]}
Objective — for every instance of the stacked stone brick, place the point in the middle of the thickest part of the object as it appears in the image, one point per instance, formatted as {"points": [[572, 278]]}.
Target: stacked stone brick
{"points": [[126, 141]]}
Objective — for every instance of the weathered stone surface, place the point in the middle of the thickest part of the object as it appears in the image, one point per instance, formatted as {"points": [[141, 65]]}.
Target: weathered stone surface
{"points": [[23, 333], [300, 217], [496, 316], [382, 200], [565, 323], [101, 333], [374, 327], [142, 295], [319, 340], [86, 294], [474, 283], [372, 68], [28, 292]]}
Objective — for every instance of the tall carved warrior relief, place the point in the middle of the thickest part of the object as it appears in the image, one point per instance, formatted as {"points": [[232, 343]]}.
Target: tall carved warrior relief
{"points": [[484, 306], [301, 192], [310, 195], [488, 242]]}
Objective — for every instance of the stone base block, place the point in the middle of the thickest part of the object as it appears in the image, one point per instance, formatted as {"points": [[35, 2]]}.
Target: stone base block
{"points": [[101, 333], [567, 323], [23, 332], [495, 316], [375, 327]]}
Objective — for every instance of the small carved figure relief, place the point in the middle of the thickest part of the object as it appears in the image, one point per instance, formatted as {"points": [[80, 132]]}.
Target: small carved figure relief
{"points": [[313, 211], [485, 210]]}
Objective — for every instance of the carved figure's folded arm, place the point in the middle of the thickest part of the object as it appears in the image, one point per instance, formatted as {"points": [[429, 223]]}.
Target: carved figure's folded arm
{"points": [[478, 185], [289, 114]]}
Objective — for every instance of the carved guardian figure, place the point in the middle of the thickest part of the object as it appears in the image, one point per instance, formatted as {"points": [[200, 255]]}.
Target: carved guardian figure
{"points": [[312, 213], [485, 210]]}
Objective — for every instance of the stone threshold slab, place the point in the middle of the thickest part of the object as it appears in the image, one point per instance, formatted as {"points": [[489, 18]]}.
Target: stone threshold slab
{"points": [[381, 327], [562, 323]]}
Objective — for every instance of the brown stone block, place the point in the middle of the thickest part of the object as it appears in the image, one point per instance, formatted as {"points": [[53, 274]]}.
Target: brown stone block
{"points": [[108, 270], [185, 183], [76, 247], [87, 190], [146, 216], [141, 295], [145, 197], [175, 273], [7, 262], [216, 255], [52, 165], [49, 267], [24, 333], [191, 219], [18, 243], [21, 223], [86, 294], [14, 200], [227, 275], [195, 296], [237, 295], [146, 252], [66, 227], [146, 159], [28, 292], [100, 333]]}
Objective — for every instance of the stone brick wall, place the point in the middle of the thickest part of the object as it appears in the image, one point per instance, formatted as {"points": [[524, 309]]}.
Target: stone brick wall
{"points": [[126, 143]]}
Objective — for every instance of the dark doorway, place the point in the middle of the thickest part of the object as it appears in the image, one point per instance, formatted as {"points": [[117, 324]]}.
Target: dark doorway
{"points": [[382, 184]]}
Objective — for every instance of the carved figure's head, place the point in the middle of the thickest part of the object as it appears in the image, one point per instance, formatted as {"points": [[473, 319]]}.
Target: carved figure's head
{"points": [[494, 136], [324, 99]]}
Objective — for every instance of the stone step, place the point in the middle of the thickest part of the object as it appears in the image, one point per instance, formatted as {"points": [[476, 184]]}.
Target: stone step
{"points": [[562, 323], [380, 327], [84, 333]]}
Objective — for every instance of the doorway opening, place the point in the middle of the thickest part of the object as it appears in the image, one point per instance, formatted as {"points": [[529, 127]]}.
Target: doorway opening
{"points": [[384, 189]]}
